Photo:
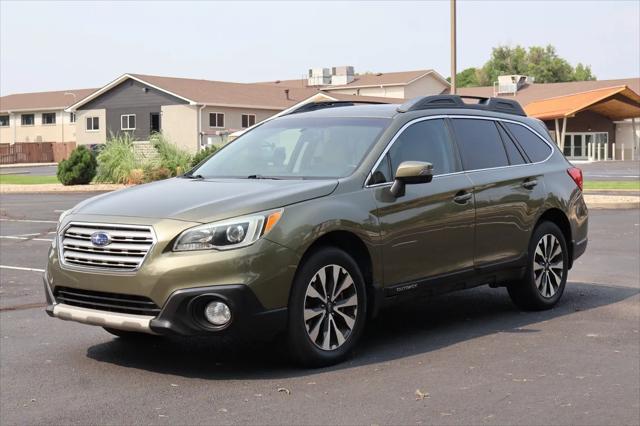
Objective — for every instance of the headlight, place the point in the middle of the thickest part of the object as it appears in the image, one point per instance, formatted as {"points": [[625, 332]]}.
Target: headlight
{"points": [[61, 218], [227, 234]]}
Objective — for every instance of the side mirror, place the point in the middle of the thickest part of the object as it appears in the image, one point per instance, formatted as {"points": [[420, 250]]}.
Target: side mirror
{"points": [[409, 173]]}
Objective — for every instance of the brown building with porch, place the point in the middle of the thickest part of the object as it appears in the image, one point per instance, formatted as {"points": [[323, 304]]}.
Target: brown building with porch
{"points": [[592, 119]]}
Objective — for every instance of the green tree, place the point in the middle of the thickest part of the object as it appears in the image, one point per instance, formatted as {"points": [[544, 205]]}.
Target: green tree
{"points": [[466, 78], [542, 63], [583, 73]]}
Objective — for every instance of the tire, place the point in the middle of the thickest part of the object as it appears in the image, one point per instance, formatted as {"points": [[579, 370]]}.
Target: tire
{"points": [[542, 285], [128, 335], [333, 324]]}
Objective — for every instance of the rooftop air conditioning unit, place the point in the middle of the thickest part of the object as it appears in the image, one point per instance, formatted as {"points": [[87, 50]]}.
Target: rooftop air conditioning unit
{"points": [[510, 84], [342, 75], [319, 77]]}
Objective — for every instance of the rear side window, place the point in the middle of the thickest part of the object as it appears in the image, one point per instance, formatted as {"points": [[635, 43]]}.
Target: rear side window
{"points": [[514, 154], [425, 141], [535, 148], [479, 143]]}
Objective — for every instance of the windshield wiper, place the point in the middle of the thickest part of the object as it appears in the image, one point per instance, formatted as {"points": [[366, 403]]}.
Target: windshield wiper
{"points": [[193, 176], [262, 177]]}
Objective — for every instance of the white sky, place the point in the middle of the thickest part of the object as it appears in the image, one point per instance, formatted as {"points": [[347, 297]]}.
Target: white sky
{"points": [[68, 45]]}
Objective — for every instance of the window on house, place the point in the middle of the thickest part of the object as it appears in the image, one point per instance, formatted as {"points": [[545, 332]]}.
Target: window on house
{"points": [[128, 122], [4, 120], [216, 119], [27, 119], [72, 117], [93, 123], [49, 118], [248, 120]]}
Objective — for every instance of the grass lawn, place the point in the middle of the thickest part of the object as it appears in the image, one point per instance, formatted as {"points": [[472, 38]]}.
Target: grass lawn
{"points": [[612, 184], [26, 179]]}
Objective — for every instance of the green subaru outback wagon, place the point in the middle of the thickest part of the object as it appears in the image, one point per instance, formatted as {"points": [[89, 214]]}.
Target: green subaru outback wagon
{"points": [[310, 223]]}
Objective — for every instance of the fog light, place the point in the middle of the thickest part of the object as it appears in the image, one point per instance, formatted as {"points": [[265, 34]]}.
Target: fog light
{"points": [[217, 313]]}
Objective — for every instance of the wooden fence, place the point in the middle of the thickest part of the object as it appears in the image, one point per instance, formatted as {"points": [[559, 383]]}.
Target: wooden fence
{"points": [[35, 152]]}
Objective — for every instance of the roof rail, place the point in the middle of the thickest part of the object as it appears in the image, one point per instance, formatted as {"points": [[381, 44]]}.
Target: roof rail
{"points": [[507, 106], [314, 106]]}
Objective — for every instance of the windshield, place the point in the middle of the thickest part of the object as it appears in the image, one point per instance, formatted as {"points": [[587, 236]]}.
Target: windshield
{"points": [[296, 148]]}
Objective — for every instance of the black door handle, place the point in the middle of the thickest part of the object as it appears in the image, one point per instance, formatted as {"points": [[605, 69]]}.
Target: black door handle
{"points": [[462, 197], [529, 183]]}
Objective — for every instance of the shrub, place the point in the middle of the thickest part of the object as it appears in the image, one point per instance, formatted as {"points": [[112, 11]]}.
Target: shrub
{"points": [[170, 157], [136, 177], [117, 159], [153, 173], [78, 169], [203, 154]]}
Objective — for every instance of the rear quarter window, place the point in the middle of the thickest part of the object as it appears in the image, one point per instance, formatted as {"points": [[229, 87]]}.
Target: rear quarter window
{"points": [[479, 143], [535, 148]]}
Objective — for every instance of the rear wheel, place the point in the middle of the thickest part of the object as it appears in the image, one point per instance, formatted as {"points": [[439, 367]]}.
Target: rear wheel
{"points": [[327, 309], [547, 270]]}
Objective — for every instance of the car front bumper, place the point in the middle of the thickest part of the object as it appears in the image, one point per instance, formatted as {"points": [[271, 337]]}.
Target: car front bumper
{"points": [[181, 314]]}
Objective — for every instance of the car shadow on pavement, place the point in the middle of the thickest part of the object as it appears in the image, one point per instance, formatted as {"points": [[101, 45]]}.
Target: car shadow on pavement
{"points": [[418, 327]]}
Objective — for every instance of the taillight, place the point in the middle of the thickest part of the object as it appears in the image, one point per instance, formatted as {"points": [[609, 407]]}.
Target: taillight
{"points": [[576, 175]]}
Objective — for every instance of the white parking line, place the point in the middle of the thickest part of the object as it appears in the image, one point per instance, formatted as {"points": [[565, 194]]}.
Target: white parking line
{"points": [[18, 268], [11, 237], [29, 220]]}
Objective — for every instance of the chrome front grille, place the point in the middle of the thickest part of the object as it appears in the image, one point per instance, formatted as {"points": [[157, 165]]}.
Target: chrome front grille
{"points": [[125, 250]]}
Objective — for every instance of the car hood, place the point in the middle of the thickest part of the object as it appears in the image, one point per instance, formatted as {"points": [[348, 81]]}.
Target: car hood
{"points": [[204, 200]]}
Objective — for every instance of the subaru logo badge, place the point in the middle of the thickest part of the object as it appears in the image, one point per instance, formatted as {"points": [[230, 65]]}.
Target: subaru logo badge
{"points": [[100, 239]]}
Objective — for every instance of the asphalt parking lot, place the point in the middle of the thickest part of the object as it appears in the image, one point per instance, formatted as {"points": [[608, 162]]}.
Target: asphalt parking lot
{"points": [[474, 358], [611, 170]]}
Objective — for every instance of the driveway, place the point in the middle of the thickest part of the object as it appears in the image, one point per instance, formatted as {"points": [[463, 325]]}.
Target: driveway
{"points": [[32, 171]]}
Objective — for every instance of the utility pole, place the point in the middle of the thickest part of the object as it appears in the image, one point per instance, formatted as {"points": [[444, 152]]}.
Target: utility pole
{"points": [[453, 47]]}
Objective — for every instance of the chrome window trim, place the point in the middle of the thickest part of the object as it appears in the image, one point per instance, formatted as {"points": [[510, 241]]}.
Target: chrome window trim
{"points": [[97, 270], [474, 117]]}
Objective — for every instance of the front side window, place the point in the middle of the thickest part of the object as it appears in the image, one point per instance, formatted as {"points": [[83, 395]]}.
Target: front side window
{"points": [[535, 148], [4, 120], [479, 143], [426, 141], [93, 124], [49, 118], [297, 148], [27, 119], [72, 117], [248, 120], [216, 119], [128, 122]]}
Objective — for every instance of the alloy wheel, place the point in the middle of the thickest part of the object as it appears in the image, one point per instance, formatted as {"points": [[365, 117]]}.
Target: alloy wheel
{"points": [[330, 307], [548, 265]]}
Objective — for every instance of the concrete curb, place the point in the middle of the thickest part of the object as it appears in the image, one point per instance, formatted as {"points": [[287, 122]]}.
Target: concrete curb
{"points": [[599, 201], [613, 206]]}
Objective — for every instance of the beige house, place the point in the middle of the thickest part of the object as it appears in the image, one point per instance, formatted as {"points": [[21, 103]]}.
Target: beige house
{"points": [[190, 112], [197, 113], [39, 117], [399, 85]]}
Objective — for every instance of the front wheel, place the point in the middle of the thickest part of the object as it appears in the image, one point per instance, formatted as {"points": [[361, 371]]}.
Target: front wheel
{"points": [[327, 308], [547, 270]]}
